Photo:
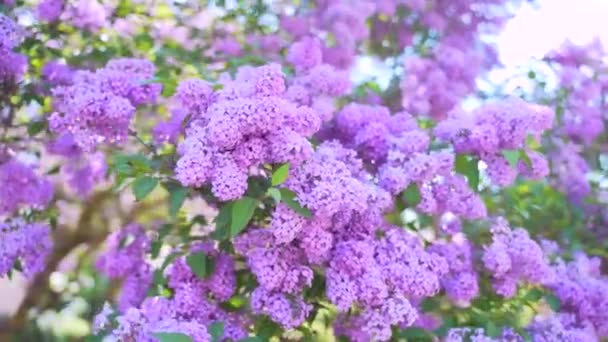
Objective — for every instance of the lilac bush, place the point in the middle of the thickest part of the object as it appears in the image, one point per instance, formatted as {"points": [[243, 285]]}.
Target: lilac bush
{"points": [[185, 171]]}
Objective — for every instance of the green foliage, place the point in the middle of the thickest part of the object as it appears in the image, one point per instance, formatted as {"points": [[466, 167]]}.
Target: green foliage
{"points": [[143, 186], [280, 175], [172, 337], [201, 264], [411, 195], [242, 212], [289, 197], [468, 167]]}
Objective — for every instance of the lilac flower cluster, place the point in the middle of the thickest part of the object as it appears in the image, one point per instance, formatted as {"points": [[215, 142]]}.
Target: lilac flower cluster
{"points": [[495, 127], [13, 64], [27, 243], [583, 291], [343, 20], [460, 284], [193, 306], [315, 84], [513, 257], [98, 106], [399, 150], [22, 188], [50, 10], [246, 124], [81, 171], [124, 258], [379, 275], [434, 85]]}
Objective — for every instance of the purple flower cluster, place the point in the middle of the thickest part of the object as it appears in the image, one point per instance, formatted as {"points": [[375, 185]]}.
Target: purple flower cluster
{"points": [[124, 258], [513, 257], [22, 188], [399, 150], [195, 303], [246, 124], [13, 64], [561, 327], [98, 106], [499, 126], [460, 284], [81, 171], [434, 85], [27, 243], [583, 291], [50, 10]]}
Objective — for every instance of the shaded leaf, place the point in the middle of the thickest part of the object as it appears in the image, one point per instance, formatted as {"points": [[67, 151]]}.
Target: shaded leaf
{"points": [[177, 196], [289, 197], [143, 186], [216, 330], [512, 156], [468, 167], [242, 212], [172, 337], [411, 195], [202, 265]]}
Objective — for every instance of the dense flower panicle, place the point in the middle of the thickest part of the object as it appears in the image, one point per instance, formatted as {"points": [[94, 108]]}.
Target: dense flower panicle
{"points": [[380, 276], [513, 257], [98, 107], [10, 33], [561, 327], [434, 86], [135, 288], [27, 243], [249, 115], [139, 325], [169, 131], [583, 291], [221, 285], [461, 282], [57, 74], [87, 14], [82, 174], [496, 127], [22, 188], [195, 96], [570, 170], [479, 335], [125, 251], [14, 66], [50, 10], [290, 312], [305, 54]]}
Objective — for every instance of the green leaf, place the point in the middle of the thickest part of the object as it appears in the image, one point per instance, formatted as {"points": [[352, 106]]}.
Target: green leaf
{"points": [[172, 337], [512, 156], [275, 194], [553, 301], [202, 265], [468, 167], [177, 196], [411, 195], [280, 175], [289, 197], [242, 212], [222, 222], [251, 339], [416, 334], [534, 295], [491, 329], [143, 186], [216, 330], [523, 156], [36, 127]]}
